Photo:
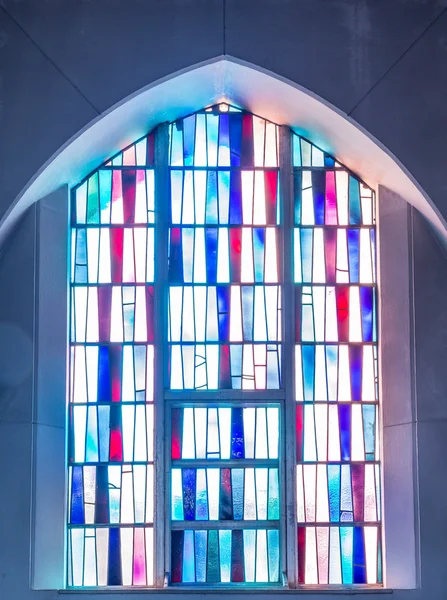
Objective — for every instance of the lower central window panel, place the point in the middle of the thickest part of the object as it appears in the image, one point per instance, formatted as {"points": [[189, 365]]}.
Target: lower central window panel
{"points": [[225, 494], [225, 556]]}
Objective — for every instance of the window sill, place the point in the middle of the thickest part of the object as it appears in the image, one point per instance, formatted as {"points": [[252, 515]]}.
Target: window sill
{"points": [[194, 592]]}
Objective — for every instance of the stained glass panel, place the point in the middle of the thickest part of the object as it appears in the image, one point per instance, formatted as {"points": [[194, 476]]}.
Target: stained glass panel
{"points": [[225, 556], [225, 474], [224, 332], [221, 307], [224, 297], [336, 383], [225, 433], [111, 415]]}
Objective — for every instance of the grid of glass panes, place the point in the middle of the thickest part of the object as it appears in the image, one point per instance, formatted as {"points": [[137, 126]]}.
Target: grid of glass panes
{"points": [[338, 471], [223, 305], [224, 333], [110, 495]]}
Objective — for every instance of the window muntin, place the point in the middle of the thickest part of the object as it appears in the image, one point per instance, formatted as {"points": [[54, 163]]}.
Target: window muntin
{"points": [[123, 551], [338, 470]]}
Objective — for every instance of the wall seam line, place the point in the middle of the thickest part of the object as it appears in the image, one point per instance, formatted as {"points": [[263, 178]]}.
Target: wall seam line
{"points": [[50, 60], [224, 24], [415, 440], [395, 63], [34, 384]]}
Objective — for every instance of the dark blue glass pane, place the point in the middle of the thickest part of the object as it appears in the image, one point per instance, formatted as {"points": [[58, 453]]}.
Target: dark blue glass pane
{"points": [[318, 185], [104, 381], [223, 307], [77, 497], [211, 254], [237, 433], [102, 495], [189, 493], [344, 415], [359, 574], [329, 161], [355, 359], [366, 301], [235, 138], [235, 198], [353, 246], [114, 576]]}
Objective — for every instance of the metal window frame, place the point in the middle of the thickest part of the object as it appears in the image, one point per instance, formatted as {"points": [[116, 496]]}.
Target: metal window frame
{"points": [[165, 399]]}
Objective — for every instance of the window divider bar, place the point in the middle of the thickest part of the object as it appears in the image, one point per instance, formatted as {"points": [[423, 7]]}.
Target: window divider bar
{"points": [[288, 464], [222, 463], [161, 520], [218, 396], [225, 524]]}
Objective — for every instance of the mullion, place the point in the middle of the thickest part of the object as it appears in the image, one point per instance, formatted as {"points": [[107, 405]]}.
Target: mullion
{"points": [[221, 524], [288, 430], [225, 226], [162, 531], [119, 525], [332, 226], [219, 343], [110, 463], [123, 225], [225, 402], [229, 168], [321, 168], [341, 463], [361, 524], [223, 463], [335, 343], [114, 284]]}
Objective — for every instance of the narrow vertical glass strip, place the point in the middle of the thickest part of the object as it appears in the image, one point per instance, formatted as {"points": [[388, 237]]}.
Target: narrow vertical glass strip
{"points": [[335, 373]]}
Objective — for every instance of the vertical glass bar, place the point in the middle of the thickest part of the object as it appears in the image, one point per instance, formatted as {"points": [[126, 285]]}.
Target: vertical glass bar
{"points": [[162, 425], [288, 325]]}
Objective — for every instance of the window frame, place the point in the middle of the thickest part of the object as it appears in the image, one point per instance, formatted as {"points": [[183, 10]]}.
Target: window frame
{"points": [[48, 221]]}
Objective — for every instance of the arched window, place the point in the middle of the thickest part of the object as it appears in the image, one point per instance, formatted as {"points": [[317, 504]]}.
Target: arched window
{"points": [[223, 398]]}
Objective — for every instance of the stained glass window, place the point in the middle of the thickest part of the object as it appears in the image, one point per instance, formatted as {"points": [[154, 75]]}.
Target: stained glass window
{"points": [[179, 342], [338, 472], [111, 473], [224, 297], [224, 333]]}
